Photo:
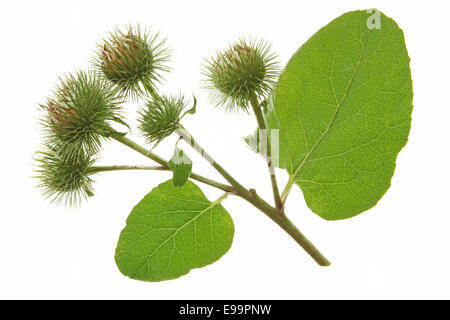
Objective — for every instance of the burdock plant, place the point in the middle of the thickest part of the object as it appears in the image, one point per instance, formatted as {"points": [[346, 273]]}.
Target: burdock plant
{"points": [[334, 118]]}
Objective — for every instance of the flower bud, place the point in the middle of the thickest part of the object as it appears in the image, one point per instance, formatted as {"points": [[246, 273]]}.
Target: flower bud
{"points": [[161, 117], [132, 61], [77, 118], [243, 70], [64, 179]]}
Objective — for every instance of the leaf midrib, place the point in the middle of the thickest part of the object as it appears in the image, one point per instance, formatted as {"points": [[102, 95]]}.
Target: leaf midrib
{"points": [[300, 166], [211, 206]]}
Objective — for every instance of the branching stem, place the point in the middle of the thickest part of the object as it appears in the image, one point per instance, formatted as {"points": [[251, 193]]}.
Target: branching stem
{"points": [[237, 189], [187, 137], [252, 197], [133, 145], [267, 151]]}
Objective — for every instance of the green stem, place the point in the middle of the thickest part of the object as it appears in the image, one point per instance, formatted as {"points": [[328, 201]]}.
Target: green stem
{"points": [[148, 87], [252, 197], [267, 151], [284, 223], [187, 137], [301, 239], [133, 145], [97, 169]]}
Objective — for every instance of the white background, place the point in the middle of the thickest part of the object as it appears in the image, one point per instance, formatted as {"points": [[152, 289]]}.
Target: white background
{"points": [[399, 249]]}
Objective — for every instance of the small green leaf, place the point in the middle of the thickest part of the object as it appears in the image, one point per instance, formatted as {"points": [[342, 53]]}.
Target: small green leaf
{"points": [[171, 231], [122, 122], [192, 110], [181, 166], [344, 104]]}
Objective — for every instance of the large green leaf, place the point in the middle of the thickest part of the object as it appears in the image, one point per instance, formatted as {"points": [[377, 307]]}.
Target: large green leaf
{"points": [[171, 231], [344, 104]]}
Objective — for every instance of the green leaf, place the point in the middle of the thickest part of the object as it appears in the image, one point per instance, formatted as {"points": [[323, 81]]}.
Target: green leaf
{"points": [[122, 122], [171, 231], [181, 166], [192, 110], [344, 104]]}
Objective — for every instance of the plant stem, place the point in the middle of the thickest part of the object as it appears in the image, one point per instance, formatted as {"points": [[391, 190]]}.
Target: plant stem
{"points": [[240, 189], [97, 169], [151, 91], [133, 145], [252, 197], [267, 150], [236, 188], [187, 137], [284, 223], [300, 238]]}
